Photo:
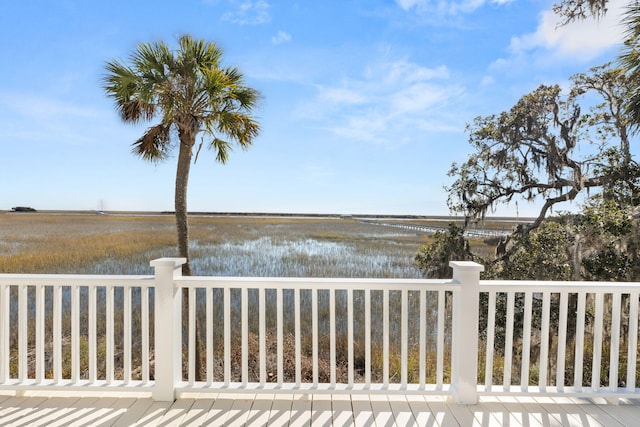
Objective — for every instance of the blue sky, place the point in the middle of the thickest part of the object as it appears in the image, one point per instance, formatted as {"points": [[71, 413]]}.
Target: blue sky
{"points": [[364, 102]]}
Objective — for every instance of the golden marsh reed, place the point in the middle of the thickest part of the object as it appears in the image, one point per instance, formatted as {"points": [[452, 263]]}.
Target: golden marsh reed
{"points": [[114, 244]]}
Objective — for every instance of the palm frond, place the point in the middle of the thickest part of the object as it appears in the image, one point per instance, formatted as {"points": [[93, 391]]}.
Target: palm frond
{"points": [[154, 144], [222, 149]]}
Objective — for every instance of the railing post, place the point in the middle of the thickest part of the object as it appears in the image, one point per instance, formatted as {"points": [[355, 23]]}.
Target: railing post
{"points": [[167, 328], [464, 362]]}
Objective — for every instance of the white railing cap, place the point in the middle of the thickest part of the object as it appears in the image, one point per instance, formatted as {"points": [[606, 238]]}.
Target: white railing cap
{"points": [[466, 265], [167, 262]]}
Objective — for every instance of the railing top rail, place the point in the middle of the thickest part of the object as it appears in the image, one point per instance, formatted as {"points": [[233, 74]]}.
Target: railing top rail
{"points": [[76, 280], [315, 283], [558, 286]]}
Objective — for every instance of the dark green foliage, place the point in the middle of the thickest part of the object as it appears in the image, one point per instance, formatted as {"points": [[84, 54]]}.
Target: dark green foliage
{"points": [[543, 254], [450, 245]]}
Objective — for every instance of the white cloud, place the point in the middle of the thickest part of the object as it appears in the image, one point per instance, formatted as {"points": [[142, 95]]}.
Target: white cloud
{"points": [[408, 4], [341, 95], [39, 118], [41, 107], [388, 104], [249, 13], [281, 37], [581, 39], [445, 7]]}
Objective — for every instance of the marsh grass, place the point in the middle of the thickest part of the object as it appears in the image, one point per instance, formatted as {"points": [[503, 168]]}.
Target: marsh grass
{"points": [[220, 246]]}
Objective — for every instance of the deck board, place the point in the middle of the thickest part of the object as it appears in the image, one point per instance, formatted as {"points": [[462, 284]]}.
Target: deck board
{"points": [[134, 413], [280, 413], [300, 410], [362, 411], [321, 415]]}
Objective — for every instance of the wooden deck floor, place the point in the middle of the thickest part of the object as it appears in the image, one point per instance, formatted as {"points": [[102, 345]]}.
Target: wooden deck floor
{"points": [[318, 410]]}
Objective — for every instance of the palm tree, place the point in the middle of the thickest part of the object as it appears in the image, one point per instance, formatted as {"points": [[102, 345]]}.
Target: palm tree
{"points": [[190, 93], [630, 60]]}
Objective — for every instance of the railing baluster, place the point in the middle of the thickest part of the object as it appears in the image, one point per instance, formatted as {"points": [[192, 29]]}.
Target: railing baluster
{"points": [[4, 333], [332, 336], [244, 310], [597, 342], [544, 341], [227, 336], [191, 372], [578, 363], [40, 342], [508, 346], [562, 340], [491, 332], [110, 335], [57, 333], [144, 326], [75, 333], [93, 347], [385, 338], [404, 337], [297, 320], [280, 333], [350, 336], [615, 341], [209, 338], [22, 332], [127, 335], [440, 340], [633, 342], [526, 341], [314, 335], [422, 339], [367, 337], [263, 336]]}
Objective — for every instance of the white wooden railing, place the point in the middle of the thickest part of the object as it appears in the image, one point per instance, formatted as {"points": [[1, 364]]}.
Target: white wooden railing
{"points": [[128, 333]]}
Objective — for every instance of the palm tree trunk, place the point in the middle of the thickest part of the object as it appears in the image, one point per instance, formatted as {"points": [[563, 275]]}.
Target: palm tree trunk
{"points": [[182, 226], [182, 181]]}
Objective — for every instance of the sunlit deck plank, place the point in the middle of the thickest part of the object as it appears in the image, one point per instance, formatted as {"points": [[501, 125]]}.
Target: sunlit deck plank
{"points": [[317, 410], [218, 410], [362, 410], [321, 411], [470, 415], [494, 411], [535, 410], [422, 413], [281, 410], [198, 412], [301, 410], [627, 412], [441, 412], [73, 409], [134, 413], [78, 410], [342, 411], [238, 414], [176, 413], [567, 418], [48, 412], [588, 413], [382, 412], [401, 410], [16, 408], [153, 414], [259, 413]]}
